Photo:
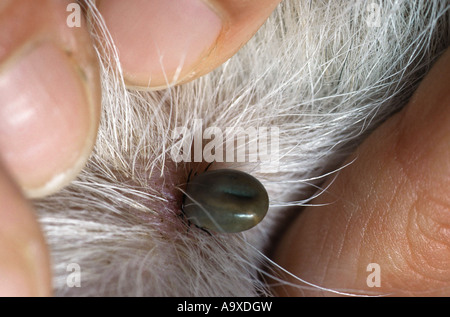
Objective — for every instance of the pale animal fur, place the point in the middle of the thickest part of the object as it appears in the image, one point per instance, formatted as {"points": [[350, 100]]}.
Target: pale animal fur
{"points": [[316, 69]]}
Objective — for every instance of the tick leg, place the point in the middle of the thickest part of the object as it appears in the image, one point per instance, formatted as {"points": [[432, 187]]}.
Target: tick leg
{"points": [[188, 223], [207, 167], [203, 229], [183, 200], [183, 214], [184, 196]]}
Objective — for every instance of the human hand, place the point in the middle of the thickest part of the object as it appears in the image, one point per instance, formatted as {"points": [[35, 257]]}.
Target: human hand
{"points": [[391, 207]]}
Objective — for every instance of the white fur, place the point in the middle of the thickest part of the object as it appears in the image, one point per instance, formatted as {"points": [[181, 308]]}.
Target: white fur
{"points": [[316, 70]]}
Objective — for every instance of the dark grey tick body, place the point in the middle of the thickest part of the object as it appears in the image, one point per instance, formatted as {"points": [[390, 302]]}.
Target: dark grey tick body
{"points": [[225, 200]]}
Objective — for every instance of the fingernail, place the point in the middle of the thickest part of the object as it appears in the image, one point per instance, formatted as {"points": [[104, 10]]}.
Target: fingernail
{"points": [[160, 42], [46, 128]]}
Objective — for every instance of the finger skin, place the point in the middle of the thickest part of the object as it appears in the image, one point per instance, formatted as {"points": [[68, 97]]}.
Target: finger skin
{"points": [[390, 207], [50, 95], [24, 257], [162, 43], [242, 19]]}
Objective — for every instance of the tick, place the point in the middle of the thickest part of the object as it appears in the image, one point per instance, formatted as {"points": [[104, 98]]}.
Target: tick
{"points": [[225, 201]]}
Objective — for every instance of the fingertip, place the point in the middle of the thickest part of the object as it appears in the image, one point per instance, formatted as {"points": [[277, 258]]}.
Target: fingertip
{"points": [[24, 258], [164, 43], [50, 95]]}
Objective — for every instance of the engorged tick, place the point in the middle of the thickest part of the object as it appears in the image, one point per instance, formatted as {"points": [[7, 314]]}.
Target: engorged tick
{"points": [[225, 201]]}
